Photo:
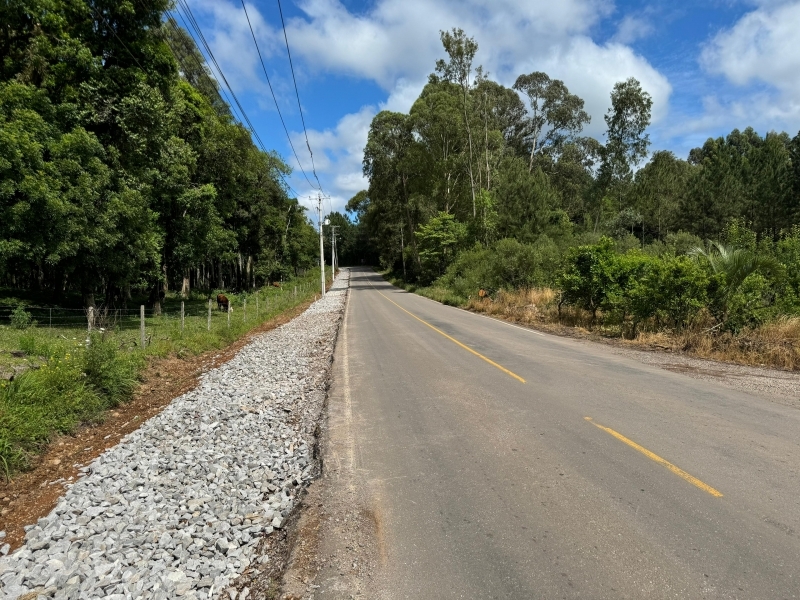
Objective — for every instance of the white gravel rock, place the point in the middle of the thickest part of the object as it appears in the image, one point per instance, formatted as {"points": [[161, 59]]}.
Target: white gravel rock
{"points": [[177, 508]]}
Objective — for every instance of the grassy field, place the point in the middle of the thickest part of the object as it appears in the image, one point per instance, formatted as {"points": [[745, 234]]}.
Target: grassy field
{"points": [[57, 375]]}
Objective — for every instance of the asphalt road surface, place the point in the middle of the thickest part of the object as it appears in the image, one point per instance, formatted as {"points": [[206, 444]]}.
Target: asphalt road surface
{"points": [[505, 463]]}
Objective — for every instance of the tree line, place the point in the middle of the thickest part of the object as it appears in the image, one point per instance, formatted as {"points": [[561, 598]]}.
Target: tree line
{"points": [[477, 168], [122, 170]]}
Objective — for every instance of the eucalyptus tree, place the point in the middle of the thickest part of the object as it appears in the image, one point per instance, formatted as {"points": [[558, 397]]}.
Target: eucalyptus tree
{"points": [[501, 115], [461, 52], [626, 141], [556, 115], [435, 119], [391, 161]]}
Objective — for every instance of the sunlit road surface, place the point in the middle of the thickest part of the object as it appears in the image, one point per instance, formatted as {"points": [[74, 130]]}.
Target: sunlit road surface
{"points": [[504, 463]]}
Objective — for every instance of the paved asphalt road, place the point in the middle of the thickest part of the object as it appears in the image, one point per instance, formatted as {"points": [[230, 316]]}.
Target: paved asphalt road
{"points": [[596, 477]]}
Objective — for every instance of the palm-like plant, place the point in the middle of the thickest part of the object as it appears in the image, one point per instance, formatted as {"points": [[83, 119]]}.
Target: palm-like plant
{"points": [[736, 264]]}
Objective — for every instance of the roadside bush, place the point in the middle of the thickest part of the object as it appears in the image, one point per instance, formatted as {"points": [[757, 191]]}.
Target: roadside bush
{"points": [[752, 304], [507, 265], [438, 242], [20, 318], [113, 373], [681, 243], [787, 252], [671, 291], [589, 275], [53, 398]]}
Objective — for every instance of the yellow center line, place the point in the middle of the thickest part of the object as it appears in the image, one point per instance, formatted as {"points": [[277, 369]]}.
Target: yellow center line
{"points": [[455, 341], [677, 470]]}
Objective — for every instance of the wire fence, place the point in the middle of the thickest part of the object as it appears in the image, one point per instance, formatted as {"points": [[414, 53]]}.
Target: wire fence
{"points": [[185, 314]]}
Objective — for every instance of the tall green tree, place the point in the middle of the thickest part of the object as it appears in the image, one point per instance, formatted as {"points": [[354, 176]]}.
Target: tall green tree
{"points": [[461, 52], [556, 116], [626, 141]]}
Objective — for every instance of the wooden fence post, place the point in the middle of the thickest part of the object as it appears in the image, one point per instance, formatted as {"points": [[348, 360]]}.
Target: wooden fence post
{"points": [[141, 325], [244, 310], [209, 314], [229, 314], [182, 317]]}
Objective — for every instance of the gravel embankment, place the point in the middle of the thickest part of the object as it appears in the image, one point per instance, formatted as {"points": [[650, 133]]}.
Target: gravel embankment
{"points": [[778, 386], [177, 509]]}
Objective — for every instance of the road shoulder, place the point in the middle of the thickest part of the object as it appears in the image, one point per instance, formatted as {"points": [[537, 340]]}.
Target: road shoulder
{"points": [[336, 550]]}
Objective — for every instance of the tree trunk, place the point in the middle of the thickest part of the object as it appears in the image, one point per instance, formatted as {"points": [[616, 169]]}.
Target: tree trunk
{"points": [[186, 287], [403, 252], [410, 224]]}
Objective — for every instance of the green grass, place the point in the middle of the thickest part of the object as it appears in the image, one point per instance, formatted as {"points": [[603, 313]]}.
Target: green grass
{"points": [[68, 382], [434, 292]]}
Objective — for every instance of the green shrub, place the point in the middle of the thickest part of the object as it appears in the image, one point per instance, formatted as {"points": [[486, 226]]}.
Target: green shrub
{"points": [[20, 318], [671, 291], [53, 398], [752, 304], [113, 373], [508, 265], [682, 243], [589, 275], [438, 242]]}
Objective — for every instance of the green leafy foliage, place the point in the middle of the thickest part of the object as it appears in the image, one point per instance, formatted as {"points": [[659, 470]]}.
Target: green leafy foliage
{"points": [[119, 173], [20, 318], [589, 276], [438, 242], [508, 264]]}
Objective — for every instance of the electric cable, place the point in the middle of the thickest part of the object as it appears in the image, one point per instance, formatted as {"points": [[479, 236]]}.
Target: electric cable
{"points": [[297, 93], [101, 16], [274, 98], [184, 10]]}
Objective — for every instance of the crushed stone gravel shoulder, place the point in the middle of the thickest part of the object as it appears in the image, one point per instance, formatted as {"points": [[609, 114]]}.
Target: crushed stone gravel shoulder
{"points": [[180, 506], [778, 386]]}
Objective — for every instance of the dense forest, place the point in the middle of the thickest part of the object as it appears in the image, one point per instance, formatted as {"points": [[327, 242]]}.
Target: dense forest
{"points": [[484, 186], [121, 168]]}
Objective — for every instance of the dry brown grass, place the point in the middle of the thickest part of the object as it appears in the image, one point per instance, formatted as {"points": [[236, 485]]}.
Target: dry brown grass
{"points": [[775, 344]]}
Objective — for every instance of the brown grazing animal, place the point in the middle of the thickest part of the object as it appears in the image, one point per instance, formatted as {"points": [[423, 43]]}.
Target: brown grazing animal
{"points": [[222, 301], [276, 284]]}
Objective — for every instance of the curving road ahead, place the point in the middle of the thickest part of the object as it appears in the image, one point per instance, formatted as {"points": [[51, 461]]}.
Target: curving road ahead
{"points": [[503, 463]]}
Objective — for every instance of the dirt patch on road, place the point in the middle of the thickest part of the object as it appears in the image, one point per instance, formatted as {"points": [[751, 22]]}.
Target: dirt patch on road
{"points": [[337, 547], [32, 495]]}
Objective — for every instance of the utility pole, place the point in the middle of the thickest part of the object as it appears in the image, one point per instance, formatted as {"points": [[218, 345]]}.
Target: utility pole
{"points": [[321, 245], [333, 248]]}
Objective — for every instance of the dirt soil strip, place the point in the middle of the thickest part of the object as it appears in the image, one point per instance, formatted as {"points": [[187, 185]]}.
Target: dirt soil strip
{"points": [[32, 495], [336, 544]]}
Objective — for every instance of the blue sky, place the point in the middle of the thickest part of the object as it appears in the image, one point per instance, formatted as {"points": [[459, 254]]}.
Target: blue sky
{"points": [[710, 65]]}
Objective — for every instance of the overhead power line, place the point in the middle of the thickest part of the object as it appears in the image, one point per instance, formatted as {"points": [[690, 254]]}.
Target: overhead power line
{"points": [[274, 98], [182, 9], [297, 93]]}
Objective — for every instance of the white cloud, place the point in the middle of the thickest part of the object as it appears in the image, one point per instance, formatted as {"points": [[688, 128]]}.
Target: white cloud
{"points": [[632, 28], [590, 71], [232, 43], [395, 43], [762, 45], [338, 153], [400, 38]]}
